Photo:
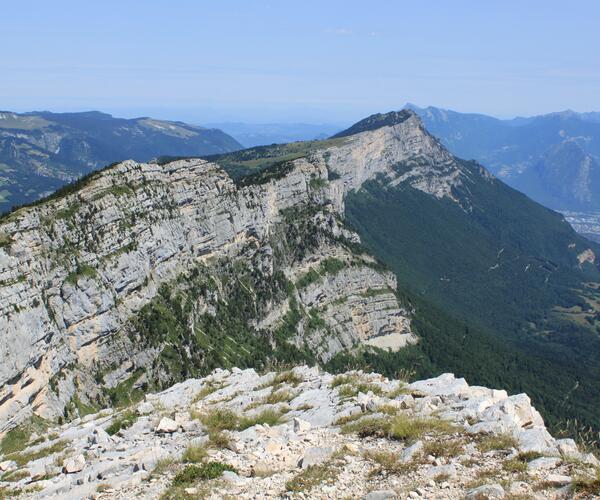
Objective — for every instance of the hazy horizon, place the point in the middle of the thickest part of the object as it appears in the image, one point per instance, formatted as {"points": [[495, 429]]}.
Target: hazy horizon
{"points": [[314, 62]]}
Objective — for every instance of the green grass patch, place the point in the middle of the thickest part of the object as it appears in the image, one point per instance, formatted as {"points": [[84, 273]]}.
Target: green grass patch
{"points": [[268, 416], [387, 462], [121, 421], [18, 438], [401, 427], [193, 473], [23, 458], [82, 271]]}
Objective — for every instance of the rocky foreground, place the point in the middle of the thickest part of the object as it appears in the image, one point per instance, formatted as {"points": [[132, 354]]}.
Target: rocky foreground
{"points": [[303, 433]]}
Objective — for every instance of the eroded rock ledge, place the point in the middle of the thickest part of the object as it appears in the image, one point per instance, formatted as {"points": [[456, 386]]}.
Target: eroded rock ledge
{"points": [[303, 433]]}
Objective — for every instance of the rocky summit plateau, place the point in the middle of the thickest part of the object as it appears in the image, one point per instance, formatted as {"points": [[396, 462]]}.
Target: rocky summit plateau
{"points": [[304, 433]]}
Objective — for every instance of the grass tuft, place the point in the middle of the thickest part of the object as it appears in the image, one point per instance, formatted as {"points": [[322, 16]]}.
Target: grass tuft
{"points": [[192, 473], [122, 421], [497, 442], [388, 463], [194, 454], [589, 483], [311, 477]]}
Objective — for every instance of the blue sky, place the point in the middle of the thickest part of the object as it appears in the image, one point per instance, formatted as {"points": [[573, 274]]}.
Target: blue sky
{"points": [[316, 61]]}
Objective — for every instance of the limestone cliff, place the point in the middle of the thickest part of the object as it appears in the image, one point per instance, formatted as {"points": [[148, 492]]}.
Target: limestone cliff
{"points": [[242, 269]]}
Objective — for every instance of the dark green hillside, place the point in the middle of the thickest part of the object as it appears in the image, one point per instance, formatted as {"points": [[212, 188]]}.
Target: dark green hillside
{"points": [[503, 265]]}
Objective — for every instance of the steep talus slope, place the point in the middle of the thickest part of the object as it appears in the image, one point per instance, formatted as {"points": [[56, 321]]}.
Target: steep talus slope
{"points": [[147, 273], [42, 151]]}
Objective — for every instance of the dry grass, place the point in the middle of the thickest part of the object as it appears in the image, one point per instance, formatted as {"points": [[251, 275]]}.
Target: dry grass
{"points": [[194, 454], [400, 427], [439, 448], [497, 442], [387, 463], [312, 477], [206, 390], [280, 396], [588, 483], [287, 377]]}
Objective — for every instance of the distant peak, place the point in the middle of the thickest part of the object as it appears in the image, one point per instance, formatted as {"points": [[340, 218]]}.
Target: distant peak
{"points": [[376, 121]]}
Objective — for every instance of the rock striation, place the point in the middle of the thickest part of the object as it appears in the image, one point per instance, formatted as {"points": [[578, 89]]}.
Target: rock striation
{"points": [[304, 433], [86, 278]]}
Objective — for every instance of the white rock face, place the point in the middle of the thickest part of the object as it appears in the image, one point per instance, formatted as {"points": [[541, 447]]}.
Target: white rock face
{"points": [[75, 464], [266, 458], [76, 269]]}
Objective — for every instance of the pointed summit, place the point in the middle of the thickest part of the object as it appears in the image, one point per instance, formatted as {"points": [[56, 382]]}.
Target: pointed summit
{"points": [[376, 121]]}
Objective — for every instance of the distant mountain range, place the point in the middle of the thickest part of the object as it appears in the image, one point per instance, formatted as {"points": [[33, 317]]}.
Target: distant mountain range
{"points": [[260, 134], [41, 151], [553, 158]]}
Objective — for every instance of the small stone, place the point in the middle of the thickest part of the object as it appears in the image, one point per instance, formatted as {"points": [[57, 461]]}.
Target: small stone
{"points": [[75, 464], [145, 408], [413, 494], [167, 426], [486, 492], [99, 436], [543, 463], [301, 425], [261, 469], [409, 453], [442, 470], [191, 491], [381, 495], [8, 465], [558, 479], [352, 448], [273, 447], [315, 455], [232, 477]]}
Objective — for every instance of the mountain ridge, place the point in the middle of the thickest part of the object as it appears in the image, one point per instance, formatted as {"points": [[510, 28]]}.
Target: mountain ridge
{"points": [[41, 151], [144, 266]]}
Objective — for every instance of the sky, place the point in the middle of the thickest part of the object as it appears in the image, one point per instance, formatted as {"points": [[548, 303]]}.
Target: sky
{"points": [[324, 61]]}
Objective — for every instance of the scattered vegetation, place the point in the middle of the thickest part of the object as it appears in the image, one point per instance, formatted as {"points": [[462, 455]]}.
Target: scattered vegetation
{"points": [[122, 421], [193, 473], [280, 396], [82, 271], [588, 483], [18, 438], [519, 463], [286, 377], [267, 416], [401, 427], [311, 477], [387, 463], [443, 448], [194, 454], [496, 442]]}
